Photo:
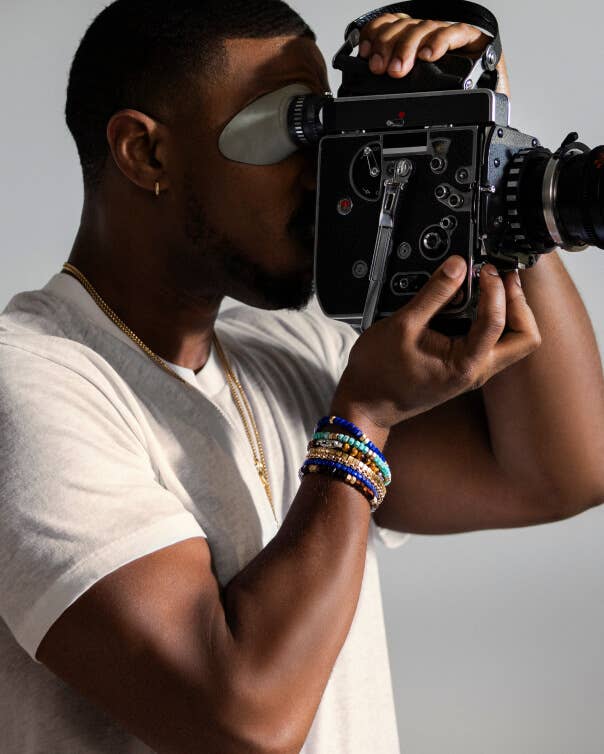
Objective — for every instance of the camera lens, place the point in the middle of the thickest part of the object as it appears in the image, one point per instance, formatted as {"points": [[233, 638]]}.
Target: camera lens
{"points": [[579, 203], [557, 201]]}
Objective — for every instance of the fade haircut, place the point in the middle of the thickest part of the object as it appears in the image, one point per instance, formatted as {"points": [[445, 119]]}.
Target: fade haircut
{"points": [[142, 54]]}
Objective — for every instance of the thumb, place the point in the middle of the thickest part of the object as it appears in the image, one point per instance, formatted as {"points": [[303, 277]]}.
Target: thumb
{"points": [[440, 288]]}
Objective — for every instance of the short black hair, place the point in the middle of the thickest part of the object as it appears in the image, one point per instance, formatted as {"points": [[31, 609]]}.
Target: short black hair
{"points": [[140, 53]]}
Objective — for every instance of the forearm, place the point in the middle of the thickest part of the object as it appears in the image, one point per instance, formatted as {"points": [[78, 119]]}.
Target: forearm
{"points": [[546, 412], [290, 610]]}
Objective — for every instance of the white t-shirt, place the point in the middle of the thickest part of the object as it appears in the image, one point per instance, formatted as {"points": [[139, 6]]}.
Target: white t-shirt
{"points": [[107, 458]]}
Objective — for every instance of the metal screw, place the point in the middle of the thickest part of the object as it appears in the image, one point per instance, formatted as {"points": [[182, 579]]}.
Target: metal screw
{"points": [[440, 192], [455, 200], [500, 133], [360, 269], [404, 250], [497, 162], [468, 84], [462, 175], [535, 142], [491, 57]]}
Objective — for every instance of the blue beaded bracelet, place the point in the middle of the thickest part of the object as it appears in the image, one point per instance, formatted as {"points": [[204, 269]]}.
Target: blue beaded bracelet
{"points": [[342, 467], [352, 429]]}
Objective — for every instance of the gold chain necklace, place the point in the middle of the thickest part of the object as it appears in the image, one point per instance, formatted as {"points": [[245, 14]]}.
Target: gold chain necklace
{"points": [[233, 382]]}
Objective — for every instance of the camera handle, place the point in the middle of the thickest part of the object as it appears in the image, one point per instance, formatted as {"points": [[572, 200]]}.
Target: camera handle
{"points": [[393, 188], [437, 76]]}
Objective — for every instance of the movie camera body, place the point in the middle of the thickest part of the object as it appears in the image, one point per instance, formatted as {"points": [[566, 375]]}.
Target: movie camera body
{"points": [[416, 169]]}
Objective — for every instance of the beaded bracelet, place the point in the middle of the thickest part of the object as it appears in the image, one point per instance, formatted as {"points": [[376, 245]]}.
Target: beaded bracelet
{"points": [[352, 429], [353, 463], [342, 476], [350, 457], [342, 447], [342, 473], [354, 444]]}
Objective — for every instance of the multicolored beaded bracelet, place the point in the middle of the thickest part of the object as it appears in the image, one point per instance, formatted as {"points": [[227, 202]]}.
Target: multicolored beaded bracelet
{"points": [[342, 447], [344, 474], [338, 456], [362, 447], [351, 458], [352, 429]]}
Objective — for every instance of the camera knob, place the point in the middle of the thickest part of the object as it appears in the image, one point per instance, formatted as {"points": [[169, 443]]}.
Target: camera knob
{"points": [[432, 241]]}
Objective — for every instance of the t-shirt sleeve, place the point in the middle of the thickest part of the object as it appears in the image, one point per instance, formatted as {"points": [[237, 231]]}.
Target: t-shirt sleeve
{"points": [[78, 494], [343, 338]]}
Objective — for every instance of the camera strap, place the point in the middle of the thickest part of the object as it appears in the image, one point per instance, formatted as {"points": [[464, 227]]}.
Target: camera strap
{"points": [[451, 72]]}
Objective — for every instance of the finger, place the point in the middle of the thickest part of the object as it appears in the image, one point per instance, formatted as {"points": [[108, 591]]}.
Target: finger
{"points": [[523, 336], [370, 31], [490, 316], [401, 56], [385, 41], [520, 317], [452, 37], [437, 292]]}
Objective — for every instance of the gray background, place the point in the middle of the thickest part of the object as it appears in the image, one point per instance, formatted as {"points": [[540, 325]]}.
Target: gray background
{"points": [[494, 637]]}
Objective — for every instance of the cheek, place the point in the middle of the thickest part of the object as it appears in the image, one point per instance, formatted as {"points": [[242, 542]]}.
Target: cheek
{"points": [[249, 202]]}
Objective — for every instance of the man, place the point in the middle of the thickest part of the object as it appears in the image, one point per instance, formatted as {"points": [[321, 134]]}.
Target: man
{"points": [[168, 583]]}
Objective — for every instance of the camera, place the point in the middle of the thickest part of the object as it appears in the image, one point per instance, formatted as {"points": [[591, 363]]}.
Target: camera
{"points": [[415, 169]]}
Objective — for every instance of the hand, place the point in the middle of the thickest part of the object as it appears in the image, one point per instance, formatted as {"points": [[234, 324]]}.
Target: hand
{"points": [[399, 367], [392, 43]]}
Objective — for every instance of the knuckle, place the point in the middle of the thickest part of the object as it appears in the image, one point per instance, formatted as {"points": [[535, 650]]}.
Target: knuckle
{"points": [[535, 339], [429, 24], [468, 375], [371, 29], [405, 325], [463, 28], [439, 36], [496, 324]]}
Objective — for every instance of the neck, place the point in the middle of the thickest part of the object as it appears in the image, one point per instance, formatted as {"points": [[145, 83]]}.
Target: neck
{"points": [[136, 283]]}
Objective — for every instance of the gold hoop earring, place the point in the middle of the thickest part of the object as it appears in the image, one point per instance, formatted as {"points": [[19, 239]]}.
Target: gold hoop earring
{"points": [[156, 188]]}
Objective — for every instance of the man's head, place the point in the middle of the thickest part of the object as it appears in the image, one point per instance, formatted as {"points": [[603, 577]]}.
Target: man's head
{"points": [[152, 86]]}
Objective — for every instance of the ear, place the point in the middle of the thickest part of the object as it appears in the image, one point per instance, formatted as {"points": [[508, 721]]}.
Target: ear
{"points": [[138, 145]]}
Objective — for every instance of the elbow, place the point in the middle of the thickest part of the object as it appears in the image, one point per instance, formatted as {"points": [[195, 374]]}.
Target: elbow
{"points": [[581, 500]]}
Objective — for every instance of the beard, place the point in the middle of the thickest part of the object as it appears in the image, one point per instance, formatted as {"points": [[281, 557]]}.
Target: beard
{"points": [[213, 265]]}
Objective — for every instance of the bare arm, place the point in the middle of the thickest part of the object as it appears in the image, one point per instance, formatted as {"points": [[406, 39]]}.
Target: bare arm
{"points": [[187, 668], [525, 449]]}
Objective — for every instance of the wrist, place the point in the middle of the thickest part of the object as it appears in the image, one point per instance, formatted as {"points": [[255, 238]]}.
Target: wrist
{"points": [[355, 413]]}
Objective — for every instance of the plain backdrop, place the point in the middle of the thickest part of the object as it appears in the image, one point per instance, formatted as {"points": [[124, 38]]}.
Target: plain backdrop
{"points": [[495, 637]]}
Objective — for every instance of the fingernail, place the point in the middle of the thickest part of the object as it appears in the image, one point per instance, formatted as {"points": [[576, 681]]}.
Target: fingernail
{"points": [[376, 61], [396, 65], [490, 269], [364, 48], [453, 267], [425, 52]]}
